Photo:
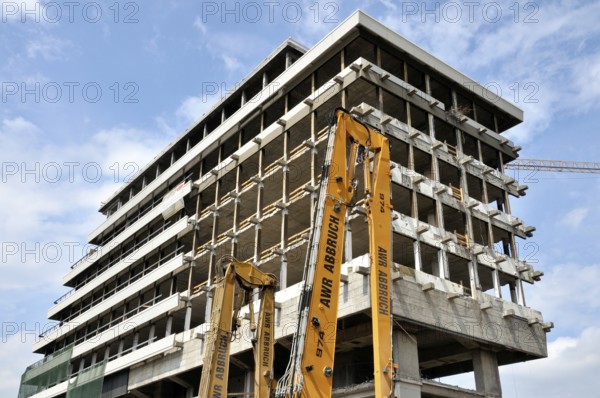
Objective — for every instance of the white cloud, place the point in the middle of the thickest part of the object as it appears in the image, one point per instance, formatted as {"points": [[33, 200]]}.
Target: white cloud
{"points": [[587, 82], [201, 26], [152, 45], [13, 11], [231, 47], [51, 192], [570, 370], [568, 295], [310, 20], [15, 353], [17, 126], [192, 108], [48, 47], [551, 55], [575, 217], [232, 64]]}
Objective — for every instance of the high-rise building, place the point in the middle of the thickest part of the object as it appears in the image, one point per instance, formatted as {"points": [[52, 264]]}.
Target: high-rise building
{"points": [[242, 181]]}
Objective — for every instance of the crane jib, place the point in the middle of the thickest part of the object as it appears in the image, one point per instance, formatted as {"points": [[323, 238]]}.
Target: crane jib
{"points": [[331, 247]]}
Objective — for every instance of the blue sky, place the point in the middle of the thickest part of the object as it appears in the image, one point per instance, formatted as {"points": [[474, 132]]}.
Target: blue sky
{"points": [[92, 91]]}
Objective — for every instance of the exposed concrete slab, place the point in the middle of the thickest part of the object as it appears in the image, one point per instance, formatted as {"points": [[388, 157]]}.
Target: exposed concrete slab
{"points": [[461, 317], [464, 317]]}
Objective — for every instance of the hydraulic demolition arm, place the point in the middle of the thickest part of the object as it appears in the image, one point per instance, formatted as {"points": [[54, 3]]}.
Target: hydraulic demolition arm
{"points": [[224, 322], [310, 370]]}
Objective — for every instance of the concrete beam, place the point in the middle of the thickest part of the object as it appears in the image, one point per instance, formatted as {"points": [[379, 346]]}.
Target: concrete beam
{"points": [[139, 394], [180, 381], [435, 389]]}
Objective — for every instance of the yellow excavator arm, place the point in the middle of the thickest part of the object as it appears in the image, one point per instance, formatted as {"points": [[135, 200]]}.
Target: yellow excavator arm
{"points": [[215, 369], [310, 370]]}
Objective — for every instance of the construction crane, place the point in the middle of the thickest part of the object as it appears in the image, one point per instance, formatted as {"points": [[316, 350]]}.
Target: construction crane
{"points": [[560, 166], [224, 322], [310, 370]]}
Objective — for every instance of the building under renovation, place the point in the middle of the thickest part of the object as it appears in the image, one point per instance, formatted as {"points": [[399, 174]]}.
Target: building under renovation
{"points": [[242, 181]]}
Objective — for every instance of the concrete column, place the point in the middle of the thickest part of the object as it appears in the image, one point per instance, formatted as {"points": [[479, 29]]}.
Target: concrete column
{"points": [[414, 210], [236, 204], [513, 246], [213, 256], [348, 241], [417, 253], [169, 325], [283, 272], [284, 213], [433, 220], [188, 316], [474, 279], [259, 203], [94, 358], [484, 186], [435, 171], [314, 168], [513, 292], [106, 353], [152, 332], [81, 364], [158, 390], [248, 383], [172, 288], [406, 355], [436, 266], [520, 292], [496, 279], [121, 345], [208, 308], [136, 340], [487, 377], [444, 267]]}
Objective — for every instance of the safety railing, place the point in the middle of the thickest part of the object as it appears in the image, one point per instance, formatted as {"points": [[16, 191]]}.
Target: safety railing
{"points": [[118, 259], [143, 272]]}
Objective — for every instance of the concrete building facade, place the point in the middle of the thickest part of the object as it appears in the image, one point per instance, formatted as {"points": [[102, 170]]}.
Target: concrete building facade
{"points": [[242, 181]]}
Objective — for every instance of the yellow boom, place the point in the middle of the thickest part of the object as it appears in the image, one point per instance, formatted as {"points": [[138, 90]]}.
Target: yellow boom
{"points": [[215, 369], [310, 370]]}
